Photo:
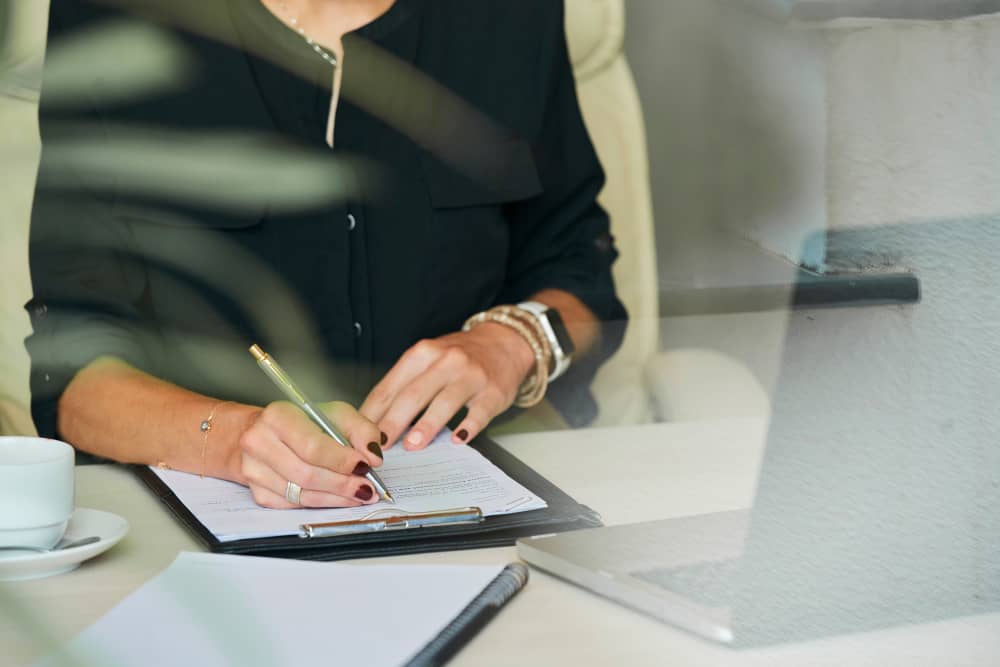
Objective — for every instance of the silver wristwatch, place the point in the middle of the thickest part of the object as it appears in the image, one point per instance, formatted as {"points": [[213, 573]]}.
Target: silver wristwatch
{"points": [[555, 333]]}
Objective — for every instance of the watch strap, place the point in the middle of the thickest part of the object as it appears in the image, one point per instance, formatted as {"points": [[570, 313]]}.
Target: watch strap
{"points": [[561, 352]]}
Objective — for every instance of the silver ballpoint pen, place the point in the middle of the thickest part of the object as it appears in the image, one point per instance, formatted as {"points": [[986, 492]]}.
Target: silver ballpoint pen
{"points": [[281, 379]]}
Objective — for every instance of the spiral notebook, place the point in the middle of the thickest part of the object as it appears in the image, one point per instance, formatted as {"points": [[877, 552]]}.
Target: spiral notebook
{"points": [[212, 609]]}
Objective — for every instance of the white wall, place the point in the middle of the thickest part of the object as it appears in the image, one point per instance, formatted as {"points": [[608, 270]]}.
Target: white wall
{"points": [[668, 49], [736, 116], [768, 115], [854, 122], [773, 129], [914, 120]]}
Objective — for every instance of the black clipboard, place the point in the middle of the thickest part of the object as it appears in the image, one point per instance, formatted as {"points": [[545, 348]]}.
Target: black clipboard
{"points": [[562, 514]]}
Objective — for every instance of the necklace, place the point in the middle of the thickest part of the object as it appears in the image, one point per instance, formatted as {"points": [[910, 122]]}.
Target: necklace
{"points": [[294, 22]]}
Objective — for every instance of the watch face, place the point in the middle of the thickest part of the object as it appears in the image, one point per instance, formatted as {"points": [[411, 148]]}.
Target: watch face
{"points": [[559, 328]]}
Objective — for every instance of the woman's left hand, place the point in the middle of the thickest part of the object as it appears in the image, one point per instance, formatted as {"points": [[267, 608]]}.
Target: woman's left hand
{"points": [[481, 369]]}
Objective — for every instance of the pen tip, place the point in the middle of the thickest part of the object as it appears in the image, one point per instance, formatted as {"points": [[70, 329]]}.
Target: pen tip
{"points": [[388, 497], [257, 353]]}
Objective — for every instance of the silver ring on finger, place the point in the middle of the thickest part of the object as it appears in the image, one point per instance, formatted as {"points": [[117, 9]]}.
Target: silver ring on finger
{"points": [[293, 492]]}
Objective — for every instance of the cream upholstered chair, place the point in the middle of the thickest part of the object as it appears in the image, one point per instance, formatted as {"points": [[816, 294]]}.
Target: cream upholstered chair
{"points": [[20, 68], [610, 103], [595, 30], [640, 383]]}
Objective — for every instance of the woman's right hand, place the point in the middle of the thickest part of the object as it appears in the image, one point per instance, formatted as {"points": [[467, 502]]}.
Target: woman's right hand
{"points": [[282, 444]]}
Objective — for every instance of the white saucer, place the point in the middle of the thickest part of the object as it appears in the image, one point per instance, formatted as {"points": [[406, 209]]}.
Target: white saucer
{"points": [[15, 565]]}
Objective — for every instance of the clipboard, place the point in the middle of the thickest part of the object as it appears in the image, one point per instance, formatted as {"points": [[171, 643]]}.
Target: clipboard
{"points": [[562, 514]]}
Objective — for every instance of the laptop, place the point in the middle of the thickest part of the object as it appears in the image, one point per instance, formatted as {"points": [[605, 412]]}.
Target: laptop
{"points": [[878, 501]]}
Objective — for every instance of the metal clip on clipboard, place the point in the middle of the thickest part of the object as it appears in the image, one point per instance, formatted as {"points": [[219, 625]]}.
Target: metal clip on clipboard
{"points": [[397, 520]]}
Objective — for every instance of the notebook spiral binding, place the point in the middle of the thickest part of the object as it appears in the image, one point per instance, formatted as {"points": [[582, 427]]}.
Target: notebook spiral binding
{"points": [[470, 620]]}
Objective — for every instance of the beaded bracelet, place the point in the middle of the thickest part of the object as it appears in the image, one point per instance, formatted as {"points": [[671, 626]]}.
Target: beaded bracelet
{"points": [[533, 322], [532, 390], [538, 333]]}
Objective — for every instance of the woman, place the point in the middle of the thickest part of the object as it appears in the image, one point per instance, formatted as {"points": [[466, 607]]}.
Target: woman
{"points": [[455, 176]]}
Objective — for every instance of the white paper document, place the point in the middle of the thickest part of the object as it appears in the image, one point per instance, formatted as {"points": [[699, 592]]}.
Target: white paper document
{"points": [[441, 476], [213, 610]]}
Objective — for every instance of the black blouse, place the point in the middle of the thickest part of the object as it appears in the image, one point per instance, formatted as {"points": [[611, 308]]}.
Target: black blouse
{"points": [[180, 217]]}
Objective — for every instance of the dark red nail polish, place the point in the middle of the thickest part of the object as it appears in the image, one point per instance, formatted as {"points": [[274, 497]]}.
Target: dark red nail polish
{"points": [[362, 469], [385, 438], [364, 492], [463, 435], [375, 449]]}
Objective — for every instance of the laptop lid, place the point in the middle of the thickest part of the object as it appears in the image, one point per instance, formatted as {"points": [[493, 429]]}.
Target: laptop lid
{"points": [[879, 496]]}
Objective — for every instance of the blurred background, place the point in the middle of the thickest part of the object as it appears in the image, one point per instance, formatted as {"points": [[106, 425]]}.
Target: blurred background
{"points": [[823, 160]]}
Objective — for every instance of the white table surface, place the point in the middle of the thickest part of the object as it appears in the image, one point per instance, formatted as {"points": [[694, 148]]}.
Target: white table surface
{"points": [[627, 474]]}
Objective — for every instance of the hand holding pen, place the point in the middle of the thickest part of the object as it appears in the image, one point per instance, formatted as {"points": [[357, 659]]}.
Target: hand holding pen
{"points": [[333, 466], [288, 461]]}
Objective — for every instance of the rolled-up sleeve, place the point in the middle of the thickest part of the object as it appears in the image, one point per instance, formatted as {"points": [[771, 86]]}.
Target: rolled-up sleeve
{"points": [[561, 239], [87, 292]]}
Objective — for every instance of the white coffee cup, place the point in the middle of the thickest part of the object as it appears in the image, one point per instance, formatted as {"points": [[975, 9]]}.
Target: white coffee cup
{"points": [[36, 490]]}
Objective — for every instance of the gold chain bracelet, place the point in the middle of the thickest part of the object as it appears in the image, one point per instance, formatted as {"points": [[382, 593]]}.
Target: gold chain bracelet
{"points": [[206, 427]]}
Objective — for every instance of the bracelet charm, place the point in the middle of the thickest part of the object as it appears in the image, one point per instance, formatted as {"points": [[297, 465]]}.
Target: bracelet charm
{"points": [[206, 427]]}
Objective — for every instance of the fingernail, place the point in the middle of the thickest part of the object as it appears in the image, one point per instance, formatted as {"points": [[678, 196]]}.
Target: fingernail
{"points": [[414, 438], [385, 438], [375, 449], [364, 492], [463, 435], [362, 469]]}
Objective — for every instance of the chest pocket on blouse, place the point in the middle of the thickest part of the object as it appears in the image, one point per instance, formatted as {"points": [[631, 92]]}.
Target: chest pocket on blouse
{"points": [[198, 248], [470, 229], [507, 174], [196, 261]]}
